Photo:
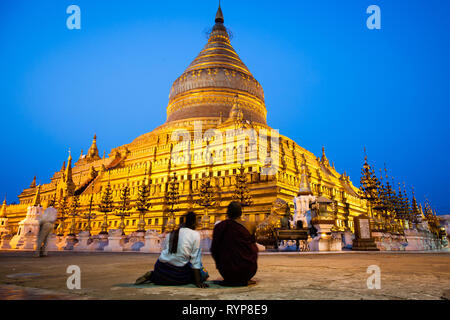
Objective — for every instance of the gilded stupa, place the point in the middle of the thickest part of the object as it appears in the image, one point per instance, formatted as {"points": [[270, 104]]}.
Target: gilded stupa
{"points": [[207, 88], [215, 108]]}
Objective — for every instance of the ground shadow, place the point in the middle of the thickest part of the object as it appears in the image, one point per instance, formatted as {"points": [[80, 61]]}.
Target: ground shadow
{"points": [[214, 284]]}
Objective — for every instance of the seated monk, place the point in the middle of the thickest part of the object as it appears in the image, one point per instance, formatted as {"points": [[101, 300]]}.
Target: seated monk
{"points": [[180, 261], [234, 248]]}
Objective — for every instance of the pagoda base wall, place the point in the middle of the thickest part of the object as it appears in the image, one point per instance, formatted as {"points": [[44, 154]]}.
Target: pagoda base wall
{"points": [[84, 240], [99, 242], [389, 242], [5, 242], [70, 242], [115, 241], [422, 240], [52, 242], [135, 242], [152, 242], [364, 245], [325, 243]]}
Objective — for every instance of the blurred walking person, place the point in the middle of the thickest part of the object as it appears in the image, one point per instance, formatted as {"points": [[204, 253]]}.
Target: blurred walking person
{"points": [[46, 226]]}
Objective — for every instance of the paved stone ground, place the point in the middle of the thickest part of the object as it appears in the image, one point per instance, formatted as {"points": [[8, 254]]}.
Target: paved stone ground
{"points": [[280, 276]]}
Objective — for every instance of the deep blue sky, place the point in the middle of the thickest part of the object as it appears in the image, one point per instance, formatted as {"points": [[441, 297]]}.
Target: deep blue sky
{"points": [[328, 80]]}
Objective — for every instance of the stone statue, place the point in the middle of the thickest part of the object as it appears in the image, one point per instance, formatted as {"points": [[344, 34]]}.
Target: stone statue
{"points": [[286, 219], [265, 230]]}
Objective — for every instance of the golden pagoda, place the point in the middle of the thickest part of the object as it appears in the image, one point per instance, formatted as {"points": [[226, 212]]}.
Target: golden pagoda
{"points": [[216, 123]]}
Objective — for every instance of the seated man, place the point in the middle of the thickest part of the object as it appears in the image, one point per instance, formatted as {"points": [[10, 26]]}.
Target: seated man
{"points": [[180, 261], [234, 248]]}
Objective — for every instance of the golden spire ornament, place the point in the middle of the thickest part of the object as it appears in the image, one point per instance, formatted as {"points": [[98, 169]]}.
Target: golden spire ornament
{"points": [[37, 197]]}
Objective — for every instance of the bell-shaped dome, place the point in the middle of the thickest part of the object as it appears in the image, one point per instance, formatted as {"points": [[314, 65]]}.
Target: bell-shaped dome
{"points": [[209, 85]]}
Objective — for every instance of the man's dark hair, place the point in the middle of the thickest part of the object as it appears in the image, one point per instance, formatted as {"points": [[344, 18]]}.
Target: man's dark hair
{"points": [[234, 210]]}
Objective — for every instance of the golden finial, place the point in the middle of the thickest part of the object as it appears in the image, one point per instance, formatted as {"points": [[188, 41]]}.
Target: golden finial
{"points": [[37, 197], [324, 159], [3, 209], [305, 188], [68, 171], [219, 15], [385, 171], [33, 183], [93, 150]]}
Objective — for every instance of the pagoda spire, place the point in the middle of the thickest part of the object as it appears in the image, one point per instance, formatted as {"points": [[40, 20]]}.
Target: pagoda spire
{"points": [[3, 209], [390, 193], [369, 185], [400, 202], [422, 216], [428, 210], [395, 213], [68, 171], [69, 185], [383, 193], [406, 204], [33, 183], [386, 173], [219, 15], [415, 213], [37, 197], [305, 188], [93, 150], [324, 159]]}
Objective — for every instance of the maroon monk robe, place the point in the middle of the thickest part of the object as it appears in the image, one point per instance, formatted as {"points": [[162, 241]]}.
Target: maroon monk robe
{"points": [[235, 252]]}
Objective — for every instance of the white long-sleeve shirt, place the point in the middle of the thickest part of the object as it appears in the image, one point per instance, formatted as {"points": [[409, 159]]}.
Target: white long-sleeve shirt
{"points": [[188, 250]]}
